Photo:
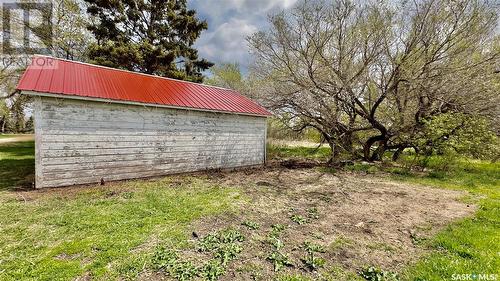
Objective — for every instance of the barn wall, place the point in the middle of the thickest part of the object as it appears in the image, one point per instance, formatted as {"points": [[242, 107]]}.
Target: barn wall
{"points": [[82, 141]]}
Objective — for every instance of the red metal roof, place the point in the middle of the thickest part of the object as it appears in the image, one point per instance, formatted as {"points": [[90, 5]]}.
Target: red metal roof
{"points": [[70, 78]]}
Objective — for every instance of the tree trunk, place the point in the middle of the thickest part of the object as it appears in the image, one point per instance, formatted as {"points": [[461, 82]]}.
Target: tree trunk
{"points": [[379, 152], [2, 128], [347, 143], [398, 153], [335, 153], [368, 146]]}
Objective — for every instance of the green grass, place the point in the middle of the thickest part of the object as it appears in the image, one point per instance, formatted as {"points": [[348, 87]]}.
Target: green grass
{"points": [[322, 153], [106, 233], [17, 164], [471, 245], [5, 136]]}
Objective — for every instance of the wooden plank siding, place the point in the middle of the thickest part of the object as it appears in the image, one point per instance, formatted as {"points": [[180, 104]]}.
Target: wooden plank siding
{"points": [[79, 142]]}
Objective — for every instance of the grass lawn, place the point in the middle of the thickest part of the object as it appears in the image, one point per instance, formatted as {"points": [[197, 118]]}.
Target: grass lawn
{"points": [[103, 232], [472, 245], [17, 163], [312, 153], [5, 136]]}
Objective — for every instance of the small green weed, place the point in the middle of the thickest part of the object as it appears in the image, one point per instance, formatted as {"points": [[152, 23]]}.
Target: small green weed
{"points": [[312, 213], [279, 260], [276, 230], [312, 262], [223, 245], [167, 260], [399, 171], [294, 277], [340, 242], [213, 270], [298, 219], [184, 270], [337, 272], [276, 243], [376, 274], [214, 241], [362, 167], [227, 252], [381, 246], [311, 247], [164, 258], [251, 225]]}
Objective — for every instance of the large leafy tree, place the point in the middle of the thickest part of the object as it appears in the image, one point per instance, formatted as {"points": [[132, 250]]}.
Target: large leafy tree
{"points": [[371, 74], [150, 36]]}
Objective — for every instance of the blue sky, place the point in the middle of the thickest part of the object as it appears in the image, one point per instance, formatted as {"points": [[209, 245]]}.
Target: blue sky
{"points": [[229, 23]]}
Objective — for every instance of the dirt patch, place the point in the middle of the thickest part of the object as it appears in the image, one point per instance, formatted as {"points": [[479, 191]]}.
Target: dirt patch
{"points": [[360, 220]]}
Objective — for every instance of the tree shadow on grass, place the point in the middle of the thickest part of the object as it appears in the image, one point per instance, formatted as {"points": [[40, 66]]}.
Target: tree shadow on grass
{"points": [[17, 165]]}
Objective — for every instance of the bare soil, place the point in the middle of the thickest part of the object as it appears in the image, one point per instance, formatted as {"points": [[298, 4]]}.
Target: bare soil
{"points": [[363, 220]]}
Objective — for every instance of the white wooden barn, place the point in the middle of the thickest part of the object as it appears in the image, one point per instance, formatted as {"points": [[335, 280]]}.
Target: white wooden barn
{"points": [[94, 123]]}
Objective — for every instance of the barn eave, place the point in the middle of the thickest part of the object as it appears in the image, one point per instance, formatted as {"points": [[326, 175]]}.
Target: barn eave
{"points": [[65, 96]]}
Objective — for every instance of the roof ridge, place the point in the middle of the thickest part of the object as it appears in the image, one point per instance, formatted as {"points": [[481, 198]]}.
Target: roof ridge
{"points": [[138, 73], [105, 83]]}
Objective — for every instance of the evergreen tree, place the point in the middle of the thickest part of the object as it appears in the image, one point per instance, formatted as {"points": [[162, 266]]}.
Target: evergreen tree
{"points": [[149, 36]]}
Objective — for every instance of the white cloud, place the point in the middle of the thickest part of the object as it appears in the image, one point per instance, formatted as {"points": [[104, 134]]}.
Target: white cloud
{"points": [[230, 22], [227, 43]]}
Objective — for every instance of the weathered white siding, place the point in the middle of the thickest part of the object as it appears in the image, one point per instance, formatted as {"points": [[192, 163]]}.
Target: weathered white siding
{"points": [[83, 141]]}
